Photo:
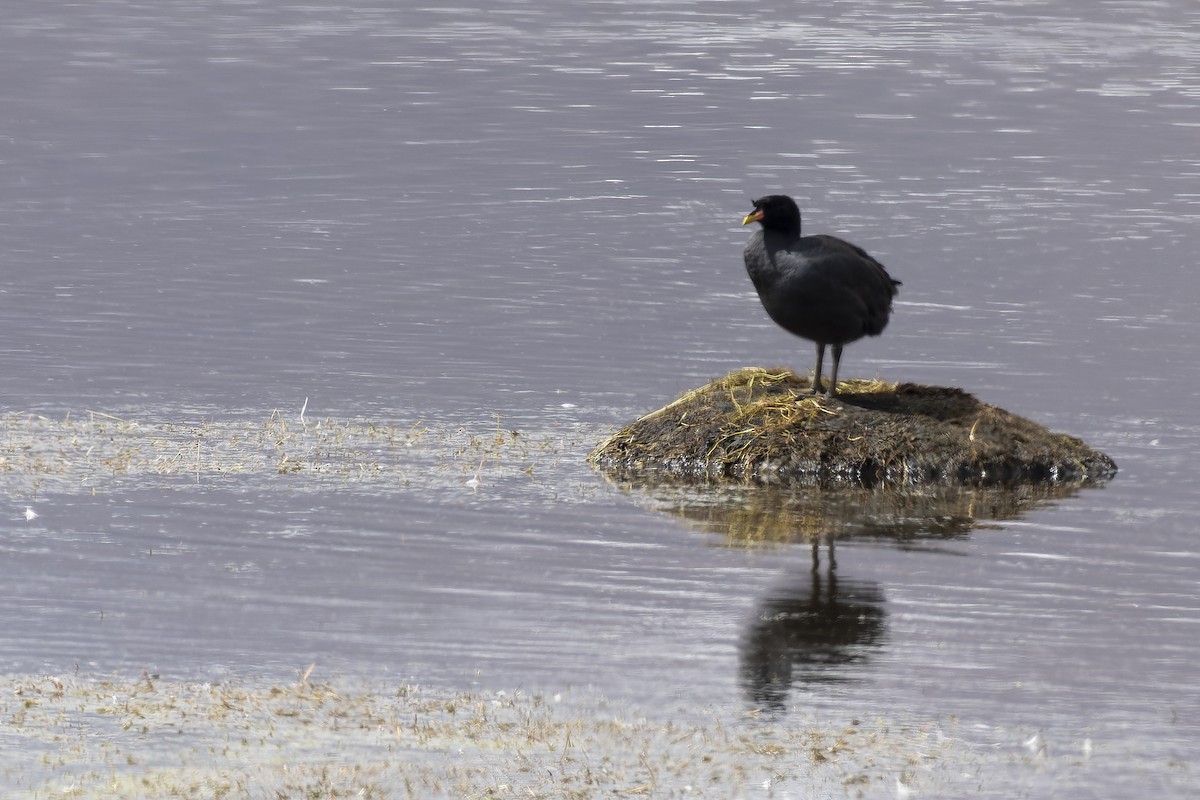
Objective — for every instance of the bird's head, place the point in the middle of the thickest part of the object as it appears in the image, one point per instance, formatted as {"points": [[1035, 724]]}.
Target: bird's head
{"points": [[775, 212]]}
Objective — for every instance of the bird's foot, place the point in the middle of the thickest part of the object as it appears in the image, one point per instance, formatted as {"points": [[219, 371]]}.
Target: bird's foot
{"points": [[830, 390]]}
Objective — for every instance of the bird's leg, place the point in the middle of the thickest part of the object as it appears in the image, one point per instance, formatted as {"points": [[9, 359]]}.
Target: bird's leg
{"points": [[837, 359], [816, 384]]}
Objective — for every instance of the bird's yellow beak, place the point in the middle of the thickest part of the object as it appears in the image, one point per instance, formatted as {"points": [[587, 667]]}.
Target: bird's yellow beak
{"points": [[753, 216]]}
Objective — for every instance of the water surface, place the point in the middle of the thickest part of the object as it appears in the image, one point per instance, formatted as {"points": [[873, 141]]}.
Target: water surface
{"points": [[525, 216]]}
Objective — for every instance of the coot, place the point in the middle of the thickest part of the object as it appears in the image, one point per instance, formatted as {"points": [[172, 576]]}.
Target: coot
{"points": [[821, 288]]}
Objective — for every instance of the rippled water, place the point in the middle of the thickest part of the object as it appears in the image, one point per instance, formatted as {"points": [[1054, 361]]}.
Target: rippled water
{"points": [[440, 215]]}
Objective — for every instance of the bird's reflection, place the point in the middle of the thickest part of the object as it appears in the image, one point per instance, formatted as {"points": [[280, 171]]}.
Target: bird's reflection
{"points": [[815, 629]]}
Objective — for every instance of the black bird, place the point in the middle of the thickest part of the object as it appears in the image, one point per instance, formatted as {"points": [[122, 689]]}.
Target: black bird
{"points": [[821, 288]]}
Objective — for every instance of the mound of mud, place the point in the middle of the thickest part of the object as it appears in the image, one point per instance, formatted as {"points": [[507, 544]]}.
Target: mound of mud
{"points": [[763, 426]]}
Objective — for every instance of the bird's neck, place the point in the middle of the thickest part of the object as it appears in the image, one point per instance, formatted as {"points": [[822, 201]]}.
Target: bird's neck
{"points": [[782, 235]]}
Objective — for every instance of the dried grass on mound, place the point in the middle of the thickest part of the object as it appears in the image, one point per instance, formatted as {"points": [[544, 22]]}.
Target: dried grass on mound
{"points": [[759, 425]]}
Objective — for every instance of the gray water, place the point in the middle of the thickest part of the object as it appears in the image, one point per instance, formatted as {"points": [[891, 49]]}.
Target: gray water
{"points": [[530, 212]]}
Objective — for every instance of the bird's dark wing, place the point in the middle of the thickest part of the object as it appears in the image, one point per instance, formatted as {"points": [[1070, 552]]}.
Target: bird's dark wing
{"points": [[854, 276], [829, 245]]}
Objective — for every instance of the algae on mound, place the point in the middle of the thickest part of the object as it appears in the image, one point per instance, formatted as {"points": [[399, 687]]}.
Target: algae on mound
{"points": [[763, 426]]}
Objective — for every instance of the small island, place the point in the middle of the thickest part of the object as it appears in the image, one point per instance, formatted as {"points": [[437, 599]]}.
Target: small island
{"points": [[765, 426]]}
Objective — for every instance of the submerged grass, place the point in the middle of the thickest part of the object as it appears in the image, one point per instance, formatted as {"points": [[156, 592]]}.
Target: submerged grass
{"points": [[76, 737], [97, 451]]}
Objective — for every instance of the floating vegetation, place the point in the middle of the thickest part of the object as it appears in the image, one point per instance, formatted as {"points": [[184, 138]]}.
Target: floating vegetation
{"points": [[763, 426], [98, 451], [77, 737]]}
